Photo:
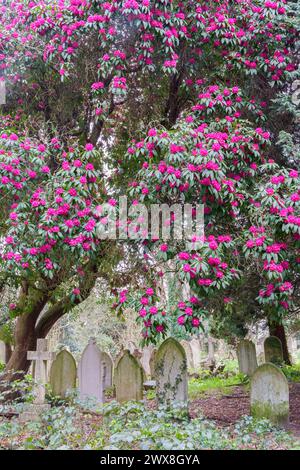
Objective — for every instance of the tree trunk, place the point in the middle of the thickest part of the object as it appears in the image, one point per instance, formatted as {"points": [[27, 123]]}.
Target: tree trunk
{"points": [[30, 326], [25, 340], [25, 334], [277, 329]]}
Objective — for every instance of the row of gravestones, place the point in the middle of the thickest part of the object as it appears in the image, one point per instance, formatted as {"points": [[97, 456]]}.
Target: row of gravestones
{"points": [[269, 387], [95, 373], [247, 359], [192, 349], [269, 390]]}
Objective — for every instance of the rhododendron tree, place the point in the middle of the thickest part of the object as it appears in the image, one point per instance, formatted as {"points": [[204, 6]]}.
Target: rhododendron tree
{"points": [[216, 157], [188, 87]]}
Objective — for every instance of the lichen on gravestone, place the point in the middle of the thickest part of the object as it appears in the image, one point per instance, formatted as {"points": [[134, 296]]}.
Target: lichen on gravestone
{"points": [[171, 373], [269, 394]]}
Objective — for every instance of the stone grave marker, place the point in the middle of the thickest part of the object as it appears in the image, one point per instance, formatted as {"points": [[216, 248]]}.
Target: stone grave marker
{"points": [[273, 350], [63, 374], [189, 354], [106, 370], [145, 360], [128, 378], [90, 373], [2, 92], [269, 394], [196, 352], [247, 360], [171, 373], [40, 357], [152, 363], [2, 352]]}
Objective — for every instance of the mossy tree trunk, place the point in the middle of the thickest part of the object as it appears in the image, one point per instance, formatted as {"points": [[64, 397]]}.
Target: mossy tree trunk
{"points": [[35, 321], [25, 336]]}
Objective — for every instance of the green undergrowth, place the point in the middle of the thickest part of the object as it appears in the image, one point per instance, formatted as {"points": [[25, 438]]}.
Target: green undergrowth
{"points": [[292, 373], [134, 426]]}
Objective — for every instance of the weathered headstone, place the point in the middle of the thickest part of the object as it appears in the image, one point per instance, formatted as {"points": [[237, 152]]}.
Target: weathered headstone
{"points": [[106, 370], [152, 363], [40, 357], [273, 350], [211, 359], [196, 351], [118, 356], [63, 374], [189, 354], [269, 394], [171, 373], [90, 373], [2, 353], [145, 360], [2, 92], [128, 378], [246, 354]]}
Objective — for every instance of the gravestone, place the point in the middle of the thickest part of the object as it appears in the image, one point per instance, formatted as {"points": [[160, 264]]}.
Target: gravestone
{"points": [[196, 352], [171, 373], [119, 355], [63, 374], [145, 360], [269, 394], [128, 378], [211, 359], [273, 350], [2, 92], [90, 373], [261, 358], [40, 357], [189, 354], [152, 363], [2, 353], [246, 354], [106, 370]]}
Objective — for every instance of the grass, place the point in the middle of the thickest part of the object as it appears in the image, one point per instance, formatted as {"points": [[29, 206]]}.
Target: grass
{"points": [[211, 384], [207, 383], [230, 377], [292, 373]]}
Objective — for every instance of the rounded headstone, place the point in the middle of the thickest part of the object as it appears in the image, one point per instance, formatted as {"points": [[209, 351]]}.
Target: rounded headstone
{"points": [[269, 394], [171, 373], [90, 373], [128, 378], [63, 374], [273, 350], [247, 360]]}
